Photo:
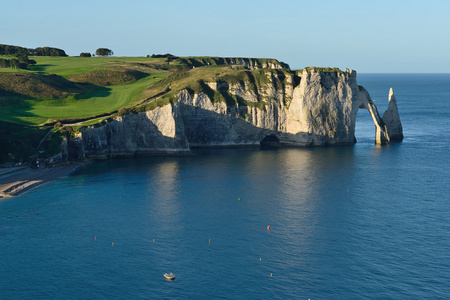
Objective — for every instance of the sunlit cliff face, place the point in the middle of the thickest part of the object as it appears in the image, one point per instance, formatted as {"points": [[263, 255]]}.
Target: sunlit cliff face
{"points": [[308, 108]]}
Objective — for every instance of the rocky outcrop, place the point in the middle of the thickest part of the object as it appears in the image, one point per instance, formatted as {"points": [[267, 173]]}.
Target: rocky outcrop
{"points": [[251, 63], [303, 108], [151, 132], [392, 119], [323, 108]]}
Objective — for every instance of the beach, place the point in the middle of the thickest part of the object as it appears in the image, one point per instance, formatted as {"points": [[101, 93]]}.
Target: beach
{"points": [[20, 180]]}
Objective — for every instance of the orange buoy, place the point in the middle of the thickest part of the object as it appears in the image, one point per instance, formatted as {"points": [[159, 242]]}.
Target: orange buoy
{"points": [[268, 227]]}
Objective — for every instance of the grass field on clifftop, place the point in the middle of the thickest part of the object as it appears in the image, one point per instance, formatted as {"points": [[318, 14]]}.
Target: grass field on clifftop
{"points": [[93, 102], [74, 88], [94, 99]]}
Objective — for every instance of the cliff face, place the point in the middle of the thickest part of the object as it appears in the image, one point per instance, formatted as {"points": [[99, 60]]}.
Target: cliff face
{"points": [[304, 108], [309, 108], [156, 131]]}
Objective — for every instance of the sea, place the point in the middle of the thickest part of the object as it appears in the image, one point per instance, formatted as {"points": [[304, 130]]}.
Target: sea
{"points": [[348, 222]]}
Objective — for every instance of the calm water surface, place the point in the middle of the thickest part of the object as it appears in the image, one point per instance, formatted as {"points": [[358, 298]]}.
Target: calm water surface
{"points": [[345, 222]]}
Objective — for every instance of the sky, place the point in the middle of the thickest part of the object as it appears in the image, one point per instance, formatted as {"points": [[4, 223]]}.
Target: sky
{"points": [[370, 36]]}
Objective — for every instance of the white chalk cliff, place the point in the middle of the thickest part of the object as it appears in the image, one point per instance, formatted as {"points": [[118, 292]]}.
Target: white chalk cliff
{"points": [[392, 119], [303, 108]]}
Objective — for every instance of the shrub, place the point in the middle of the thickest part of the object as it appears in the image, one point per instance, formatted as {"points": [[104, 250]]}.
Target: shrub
{"points": [[104, 52], [4, 63], [167, 55], [123, 111]]}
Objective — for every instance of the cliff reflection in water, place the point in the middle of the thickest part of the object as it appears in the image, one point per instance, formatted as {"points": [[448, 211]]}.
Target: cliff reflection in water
{"points": [[162, 182]]}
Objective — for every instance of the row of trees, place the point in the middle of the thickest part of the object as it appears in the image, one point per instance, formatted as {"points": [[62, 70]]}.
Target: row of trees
{"points": [[40, 51], [9, 63], [12, 50], [98, 52], [20, 62], [46, 51], [167, 55]]}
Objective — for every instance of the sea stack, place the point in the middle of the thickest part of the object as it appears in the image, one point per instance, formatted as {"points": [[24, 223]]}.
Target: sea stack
{"points": [[392, 119]]}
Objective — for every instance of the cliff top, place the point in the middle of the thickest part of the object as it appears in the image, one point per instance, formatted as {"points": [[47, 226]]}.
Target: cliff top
{"points": [[81, 91], [70, 89]]}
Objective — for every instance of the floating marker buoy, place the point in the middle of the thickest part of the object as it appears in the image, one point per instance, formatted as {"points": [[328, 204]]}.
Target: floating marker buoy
{"points": [[113, 244], [209, 240], [260, 259], [95, 238], [270, 274], [268, 227], [239, 199], [153, 240]]}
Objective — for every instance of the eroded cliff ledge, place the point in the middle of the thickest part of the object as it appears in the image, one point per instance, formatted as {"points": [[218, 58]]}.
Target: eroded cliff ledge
{"points": [[310, 107]]}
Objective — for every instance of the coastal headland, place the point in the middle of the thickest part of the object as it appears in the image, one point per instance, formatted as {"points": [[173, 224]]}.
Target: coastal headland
{"points": [[61, 109]]}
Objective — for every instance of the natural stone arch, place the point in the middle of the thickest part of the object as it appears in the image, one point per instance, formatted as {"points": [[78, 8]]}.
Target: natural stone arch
{"points": [[387, 128], [381, 131]]}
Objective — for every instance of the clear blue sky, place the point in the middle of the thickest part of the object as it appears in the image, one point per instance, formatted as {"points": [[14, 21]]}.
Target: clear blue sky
{"points": [[365, 35]]}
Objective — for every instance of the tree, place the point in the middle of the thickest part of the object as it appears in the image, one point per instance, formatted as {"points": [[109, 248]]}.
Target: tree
{"points": [[4, 63], [85, 54], [103, 52], [47, 51], [14, 63], [12, 50], [23, 59]]}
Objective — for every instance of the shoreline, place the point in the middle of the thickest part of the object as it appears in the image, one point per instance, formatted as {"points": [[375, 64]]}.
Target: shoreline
{"points": [[16, 183]]}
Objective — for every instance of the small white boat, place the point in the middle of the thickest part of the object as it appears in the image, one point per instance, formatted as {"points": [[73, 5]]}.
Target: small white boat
{"points": [[169, 276]]}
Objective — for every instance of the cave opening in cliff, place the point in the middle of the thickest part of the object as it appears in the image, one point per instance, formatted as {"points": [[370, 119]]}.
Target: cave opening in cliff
{"points": [[270, 141]]}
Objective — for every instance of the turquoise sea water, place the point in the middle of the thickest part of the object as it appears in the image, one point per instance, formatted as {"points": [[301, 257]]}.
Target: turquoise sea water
{"points": [[358, 222]]}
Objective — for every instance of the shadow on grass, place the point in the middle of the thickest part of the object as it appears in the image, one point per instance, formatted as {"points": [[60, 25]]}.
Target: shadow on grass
{"points": [[140, 75], [40, 68], [94, 91], [14, 106]]}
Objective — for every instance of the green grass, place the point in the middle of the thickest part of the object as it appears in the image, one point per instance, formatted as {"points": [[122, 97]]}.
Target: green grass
{"points": [[67, 66], [94, 121], [160, 82], [28, 110], [97, 100]]}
